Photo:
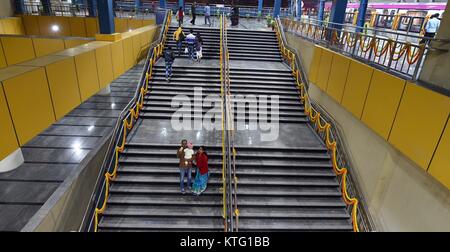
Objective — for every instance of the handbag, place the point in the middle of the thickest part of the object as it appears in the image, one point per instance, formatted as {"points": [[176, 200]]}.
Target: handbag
{"points": [[186, 50]]}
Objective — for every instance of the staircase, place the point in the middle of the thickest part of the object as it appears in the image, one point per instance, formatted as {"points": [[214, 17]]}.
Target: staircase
{"points": [[253, 45], [288, 184], [146, 193], [211, 42], [145, 196], [285, 185]]}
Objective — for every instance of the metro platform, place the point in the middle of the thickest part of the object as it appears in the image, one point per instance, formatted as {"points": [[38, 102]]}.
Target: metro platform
{"points": [[327, 105]]}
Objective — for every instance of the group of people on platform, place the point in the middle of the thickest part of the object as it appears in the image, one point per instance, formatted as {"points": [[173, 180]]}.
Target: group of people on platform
{"points": [[193, 48], [189, 159], [207, 11]]}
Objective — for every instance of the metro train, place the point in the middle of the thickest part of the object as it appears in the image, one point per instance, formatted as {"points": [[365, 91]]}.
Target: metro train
{"points": [[407, 17]]}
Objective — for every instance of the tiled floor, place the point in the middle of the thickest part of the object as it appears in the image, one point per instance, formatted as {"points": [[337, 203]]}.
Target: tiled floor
{"points": [[57, 151]]}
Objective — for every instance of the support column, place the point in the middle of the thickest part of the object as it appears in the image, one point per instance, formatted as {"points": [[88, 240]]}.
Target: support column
{"points": [[260, 7], [92, 8], [299, 9], [276, 8], [337, 14], [162, 4], [20, 6], [47, 7], [137, 4], [362, 13], [321, 10], [106, 16], [180, 4]]}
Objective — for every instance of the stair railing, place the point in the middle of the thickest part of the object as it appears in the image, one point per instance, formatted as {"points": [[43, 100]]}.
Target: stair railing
{"points": [[231, 151], [323, 126], [229, 154], [225, 138], [126, 120], [233, 181]]}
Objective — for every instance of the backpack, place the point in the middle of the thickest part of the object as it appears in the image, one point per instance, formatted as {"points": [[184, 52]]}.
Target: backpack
{"points": [[169, 57]]}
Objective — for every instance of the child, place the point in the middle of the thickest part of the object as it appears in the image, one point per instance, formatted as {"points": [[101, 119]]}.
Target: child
{"points": [[188, 154]]}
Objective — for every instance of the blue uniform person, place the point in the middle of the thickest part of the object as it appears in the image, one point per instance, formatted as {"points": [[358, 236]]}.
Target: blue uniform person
{"points": [[169, 57], [191, 42]]}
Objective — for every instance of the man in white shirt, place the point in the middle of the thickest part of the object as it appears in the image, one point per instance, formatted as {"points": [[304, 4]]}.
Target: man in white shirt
{"points": [[207, 14], [431, 28]]}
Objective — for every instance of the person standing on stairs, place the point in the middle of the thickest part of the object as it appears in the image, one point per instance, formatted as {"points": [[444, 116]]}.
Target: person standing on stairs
{"points": [[198, 46], [201, 175], [179, 37], [185, 169], [180, 16], [190, 41], [169, 57], [207, 14], [194, 14]]}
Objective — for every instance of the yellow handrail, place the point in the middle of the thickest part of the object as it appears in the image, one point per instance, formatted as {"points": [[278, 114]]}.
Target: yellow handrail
{"points": [[133, 116], [222, 94], [315, 117]]}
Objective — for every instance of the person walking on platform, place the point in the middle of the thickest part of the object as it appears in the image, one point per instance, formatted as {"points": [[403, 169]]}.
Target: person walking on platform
{"points": [[431, 28], [169, 57], [201, 175], [194, 14], [180, 16], [207, 14], [190, 41], [179, 37], [185, 165]]}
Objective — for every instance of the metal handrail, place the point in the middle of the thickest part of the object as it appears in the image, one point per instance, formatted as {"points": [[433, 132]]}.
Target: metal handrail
{"points": [[325, 130], [350, 27], [392, 55], [231, 151], [130, 111]]}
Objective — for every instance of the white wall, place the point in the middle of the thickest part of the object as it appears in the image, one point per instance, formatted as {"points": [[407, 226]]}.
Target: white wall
{"points": [[6, 8]]}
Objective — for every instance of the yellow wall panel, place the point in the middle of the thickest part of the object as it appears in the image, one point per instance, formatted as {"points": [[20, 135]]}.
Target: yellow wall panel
{"points": [[137, 47], [104, 66], [338, 77], [117, 58], [2, 56], [45, 25], [63, 83], [8, 26], [44, 46], [382, 102], [69, 43], [64, 26], [419, 123], [128, 53], [9, 140], [440, 165], [31, 25], [91, 26], [356, 86], [324, 69], [134, 23], [146, 22], [2, 31], [314, 69], [86, 66], [12, 25], [77, 27], [29, 103], [120, 25], [17, 49]]}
